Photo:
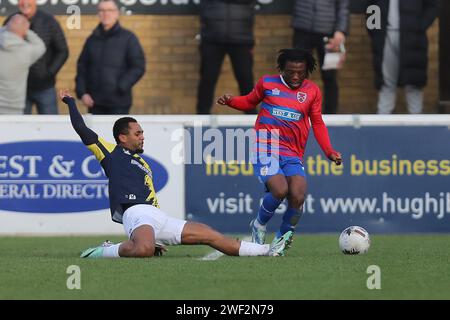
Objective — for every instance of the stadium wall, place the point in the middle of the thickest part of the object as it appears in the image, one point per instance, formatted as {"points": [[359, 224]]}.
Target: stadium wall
{"points": [[394, 178], [170, 83]]}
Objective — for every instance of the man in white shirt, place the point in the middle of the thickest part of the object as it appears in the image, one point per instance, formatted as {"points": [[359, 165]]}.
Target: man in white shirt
{"points": [[19, 49]]}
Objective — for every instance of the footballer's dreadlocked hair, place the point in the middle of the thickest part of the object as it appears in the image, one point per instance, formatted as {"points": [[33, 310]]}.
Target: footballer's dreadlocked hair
{"points": [[121, 127], [296, 55]]}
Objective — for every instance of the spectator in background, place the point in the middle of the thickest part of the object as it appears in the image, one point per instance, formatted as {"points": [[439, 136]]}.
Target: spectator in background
{"points": [[313, 21], [42, 76], [20, 47], [111, 62], [226, 28], [400, 51]]}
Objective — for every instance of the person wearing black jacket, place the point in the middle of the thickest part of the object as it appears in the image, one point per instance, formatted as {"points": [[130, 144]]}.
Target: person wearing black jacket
{"points": [[400, 51], [110, 64], [42, 75], [226, 28], [314, 21]]}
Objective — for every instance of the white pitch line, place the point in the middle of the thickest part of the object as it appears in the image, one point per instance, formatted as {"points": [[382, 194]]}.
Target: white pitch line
{"points": [[217, 254]]}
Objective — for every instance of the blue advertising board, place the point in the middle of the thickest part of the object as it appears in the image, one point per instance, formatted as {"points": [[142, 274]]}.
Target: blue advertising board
{"points": [[394, 179], [56, 177]]}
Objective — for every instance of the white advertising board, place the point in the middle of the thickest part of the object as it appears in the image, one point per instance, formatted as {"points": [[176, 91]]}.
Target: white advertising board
{"points": [[51, 184]]}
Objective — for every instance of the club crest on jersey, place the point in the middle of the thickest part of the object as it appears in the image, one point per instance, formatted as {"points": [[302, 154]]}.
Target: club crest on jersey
{"points": [[276, 92], [301, 97], [264, 171]]}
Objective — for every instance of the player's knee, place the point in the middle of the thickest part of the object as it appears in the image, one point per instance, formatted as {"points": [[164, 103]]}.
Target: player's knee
{"points": [[280, 193], [296, 200], [144, 250]]}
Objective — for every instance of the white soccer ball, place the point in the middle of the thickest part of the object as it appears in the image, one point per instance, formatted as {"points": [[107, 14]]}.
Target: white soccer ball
{"points": [[354, 240]]}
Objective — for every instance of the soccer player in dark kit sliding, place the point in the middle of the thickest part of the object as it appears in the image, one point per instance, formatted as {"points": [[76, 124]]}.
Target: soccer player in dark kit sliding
{"points": [[134, 204]]}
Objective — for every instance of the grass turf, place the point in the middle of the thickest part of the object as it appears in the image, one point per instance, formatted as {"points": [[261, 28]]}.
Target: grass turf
{"points": [[412, 267]]}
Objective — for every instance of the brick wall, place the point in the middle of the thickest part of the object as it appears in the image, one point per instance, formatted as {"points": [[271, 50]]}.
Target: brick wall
{"points": [[170, 83]]}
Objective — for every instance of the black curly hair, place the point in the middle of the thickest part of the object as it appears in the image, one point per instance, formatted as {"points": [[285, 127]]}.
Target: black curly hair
{"points": [[296, 55]]}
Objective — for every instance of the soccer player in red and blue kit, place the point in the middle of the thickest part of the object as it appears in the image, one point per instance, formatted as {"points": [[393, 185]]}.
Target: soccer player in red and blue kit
{"points": [[289, 103]]}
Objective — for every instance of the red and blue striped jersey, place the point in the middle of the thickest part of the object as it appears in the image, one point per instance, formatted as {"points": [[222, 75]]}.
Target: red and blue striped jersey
{"points": [[283, 123]]}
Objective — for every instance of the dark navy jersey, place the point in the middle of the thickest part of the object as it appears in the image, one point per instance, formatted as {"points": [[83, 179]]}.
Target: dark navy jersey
{"points": [[130, 177]]}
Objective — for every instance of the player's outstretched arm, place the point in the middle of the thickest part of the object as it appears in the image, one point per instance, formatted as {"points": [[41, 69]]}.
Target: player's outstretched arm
{"points": [[244, 103], [87, 135]]}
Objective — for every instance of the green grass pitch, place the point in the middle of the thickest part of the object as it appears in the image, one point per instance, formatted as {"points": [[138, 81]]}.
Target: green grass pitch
{"points": [[412, 267]]}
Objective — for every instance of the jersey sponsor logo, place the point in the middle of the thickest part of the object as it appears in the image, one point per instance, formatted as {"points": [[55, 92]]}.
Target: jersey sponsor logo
{"points": [[290, 115], [301, 96], [57, 177], [276, 92], [137, 163]]}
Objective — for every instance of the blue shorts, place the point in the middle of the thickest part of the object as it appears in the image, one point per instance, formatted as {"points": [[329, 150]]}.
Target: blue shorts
{"points": [[266, 166]]}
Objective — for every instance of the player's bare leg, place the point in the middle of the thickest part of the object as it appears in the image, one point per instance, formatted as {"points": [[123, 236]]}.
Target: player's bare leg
{"points": [[141, 243], [297, 192], [198, 233], [278, 186]]}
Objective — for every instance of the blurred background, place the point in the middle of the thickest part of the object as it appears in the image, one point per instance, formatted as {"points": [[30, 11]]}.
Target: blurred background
{"points": [[169, 36]]}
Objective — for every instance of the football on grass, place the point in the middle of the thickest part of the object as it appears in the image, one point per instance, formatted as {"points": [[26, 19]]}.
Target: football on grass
{"points": [[354, 240]]}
